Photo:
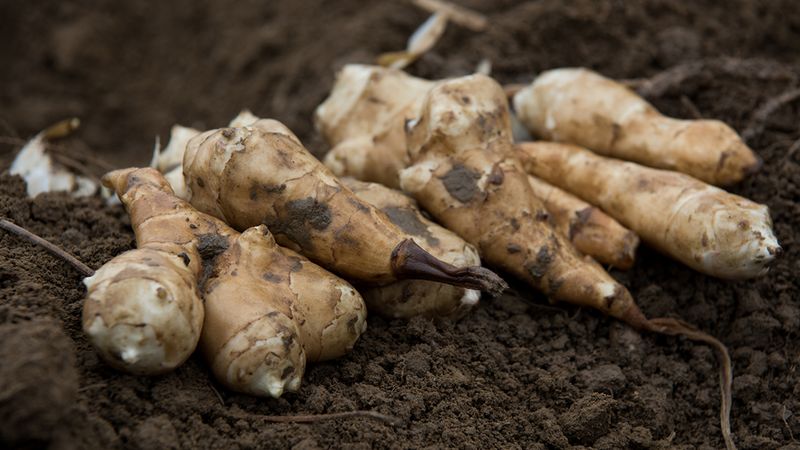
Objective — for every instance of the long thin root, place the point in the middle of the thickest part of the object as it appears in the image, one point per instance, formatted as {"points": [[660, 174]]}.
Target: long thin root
{"points": [[677, 327]]}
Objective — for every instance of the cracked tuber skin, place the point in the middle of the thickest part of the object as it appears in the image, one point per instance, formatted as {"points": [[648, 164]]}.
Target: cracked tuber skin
{"points": [[261, 174], [268, 310]]}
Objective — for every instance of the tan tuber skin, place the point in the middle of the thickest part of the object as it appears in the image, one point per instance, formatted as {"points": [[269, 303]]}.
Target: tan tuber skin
{"points": [[363, 120], [465, 173], [706, 228], [268, 310], [262, 174], [581, 107], [410, 298], [589, 229]]}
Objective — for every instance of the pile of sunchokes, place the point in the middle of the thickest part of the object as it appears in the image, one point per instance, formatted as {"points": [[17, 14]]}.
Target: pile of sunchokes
{"points": [[237, 228]]}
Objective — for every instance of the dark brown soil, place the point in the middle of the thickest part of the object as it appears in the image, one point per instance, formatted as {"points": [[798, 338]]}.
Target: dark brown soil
{"points": [[515, 373]]}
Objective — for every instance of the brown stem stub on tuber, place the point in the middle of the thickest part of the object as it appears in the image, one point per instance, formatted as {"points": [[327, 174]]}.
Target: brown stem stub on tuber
{"points": [[409, 260]]}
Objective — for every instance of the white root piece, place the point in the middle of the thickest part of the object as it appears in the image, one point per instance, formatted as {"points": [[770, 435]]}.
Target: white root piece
{"points": [[706, 228], [581, 107], [41, 173]]}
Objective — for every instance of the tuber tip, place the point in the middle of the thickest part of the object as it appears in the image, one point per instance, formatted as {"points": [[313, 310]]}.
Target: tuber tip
{"points": [[409, 260]]}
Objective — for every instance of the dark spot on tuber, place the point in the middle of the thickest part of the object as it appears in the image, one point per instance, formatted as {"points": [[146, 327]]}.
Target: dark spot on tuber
{"points": [[539, 267], [461, 183], [513, 248], [201, 183], [361, 206], [257, 188], [185, 258], [409, 222], [272, 277], [581, 217], [497, 176], [298, 218]]}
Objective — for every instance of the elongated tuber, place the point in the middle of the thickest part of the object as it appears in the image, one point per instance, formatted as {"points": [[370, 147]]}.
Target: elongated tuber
{"points": [[706, 228], [268, 310], [465, 173], [262, 174], [581, 107], [591, 230], [409, 298], [363, 121]]}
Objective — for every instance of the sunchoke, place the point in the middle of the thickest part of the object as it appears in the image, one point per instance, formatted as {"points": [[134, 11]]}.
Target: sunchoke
{"points": [[706, 228], [268, 310], [581, 107], [262, 174]]}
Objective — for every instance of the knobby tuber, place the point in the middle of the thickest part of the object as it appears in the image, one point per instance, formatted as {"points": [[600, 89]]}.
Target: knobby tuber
{"points": [[262, 174], [706, 228], [409, 298], [363, 121], [466, 174], [143, 310], [589, 229], [581, 107], [267, 309]]}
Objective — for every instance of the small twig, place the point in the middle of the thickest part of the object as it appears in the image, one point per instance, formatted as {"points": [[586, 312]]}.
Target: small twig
{"points": [[785, 422], [219, 396], [759, 118], [309, 418], [689, 104], [49, 246], [467, 18], [92, 386]]}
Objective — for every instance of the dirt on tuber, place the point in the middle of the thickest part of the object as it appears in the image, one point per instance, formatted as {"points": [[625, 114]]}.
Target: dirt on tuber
{"points": [[589, 229]]}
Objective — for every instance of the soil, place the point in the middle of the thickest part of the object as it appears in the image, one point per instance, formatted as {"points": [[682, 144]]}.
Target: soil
{"points": [[516, 373]]}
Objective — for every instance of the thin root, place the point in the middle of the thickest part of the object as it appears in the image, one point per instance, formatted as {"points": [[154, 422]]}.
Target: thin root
{"points": [[49, 246], [310, 418], [759, 120], [675, 327]]}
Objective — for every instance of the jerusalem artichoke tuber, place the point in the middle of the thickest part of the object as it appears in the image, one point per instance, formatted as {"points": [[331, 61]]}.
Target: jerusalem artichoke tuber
{"points": [[581, 107], [706, 228], [262, 174], [268, 310]]}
